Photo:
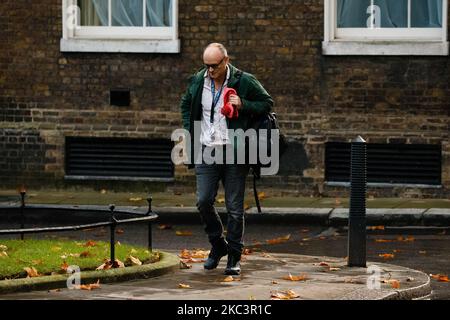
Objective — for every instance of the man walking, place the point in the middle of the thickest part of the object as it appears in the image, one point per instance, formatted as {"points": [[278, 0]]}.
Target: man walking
{"points": [[202, 103]]}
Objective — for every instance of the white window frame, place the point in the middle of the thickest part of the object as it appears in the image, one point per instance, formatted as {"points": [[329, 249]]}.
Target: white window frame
{"points": [[383, 41], [119, 39]]}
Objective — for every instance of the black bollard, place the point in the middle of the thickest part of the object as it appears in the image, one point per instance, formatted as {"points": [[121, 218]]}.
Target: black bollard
{"points": [[112, 239], [149, 212], [357, 212]]}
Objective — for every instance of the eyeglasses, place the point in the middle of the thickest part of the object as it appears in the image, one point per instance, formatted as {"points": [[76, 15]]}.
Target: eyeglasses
{"points": [[214, 66]]}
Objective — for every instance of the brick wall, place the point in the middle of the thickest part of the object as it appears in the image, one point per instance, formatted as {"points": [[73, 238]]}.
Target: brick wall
{"points": [[47, 95]]}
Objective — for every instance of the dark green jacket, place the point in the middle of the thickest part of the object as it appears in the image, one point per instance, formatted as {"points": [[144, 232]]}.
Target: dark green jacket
{"points": [[255, 100]]}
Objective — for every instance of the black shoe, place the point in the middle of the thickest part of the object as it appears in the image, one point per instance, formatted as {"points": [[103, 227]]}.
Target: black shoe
{"points": [[217, 252], [233, 264]]}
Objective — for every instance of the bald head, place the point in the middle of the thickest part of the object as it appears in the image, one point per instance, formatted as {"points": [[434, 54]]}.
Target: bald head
{"points": [[215, 49]]}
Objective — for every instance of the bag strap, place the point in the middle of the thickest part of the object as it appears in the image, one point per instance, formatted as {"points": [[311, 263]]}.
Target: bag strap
{"points": [[255, 193]]}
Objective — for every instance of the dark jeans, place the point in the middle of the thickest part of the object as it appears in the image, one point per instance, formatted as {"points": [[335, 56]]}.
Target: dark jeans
{"points": [[233, 180]]}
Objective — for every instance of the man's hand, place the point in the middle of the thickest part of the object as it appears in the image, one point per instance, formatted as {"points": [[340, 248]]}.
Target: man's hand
{"points": [[236, 101]]}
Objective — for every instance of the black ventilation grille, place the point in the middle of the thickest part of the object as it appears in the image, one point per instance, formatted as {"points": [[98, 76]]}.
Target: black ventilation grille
{"points": [[119, 158], [387, 163]]}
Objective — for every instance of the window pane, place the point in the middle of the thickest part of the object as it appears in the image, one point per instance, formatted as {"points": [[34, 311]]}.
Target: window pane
{"points": [[127, 13], [393, 13], [93, 12], [384, 14], [426, 13], [352, 13], [159, 13]]}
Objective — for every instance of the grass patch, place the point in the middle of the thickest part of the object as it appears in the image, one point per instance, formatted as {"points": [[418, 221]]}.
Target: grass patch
{"points": [[48, 256]]}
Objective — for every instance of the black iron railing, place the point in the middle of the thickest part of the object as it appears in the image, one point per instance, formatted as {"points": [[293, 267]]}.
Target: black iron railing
{"points": [[147, 217]]}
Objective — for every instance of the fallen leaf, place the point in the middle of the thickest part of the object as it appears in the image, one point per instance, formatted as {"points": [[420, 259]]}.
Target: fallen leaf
{"points": [[3, 254], [89, 287], [246, 206], [290, 277], [164, 227], [104, 266], [395, 284], [134, 261], [228, 279], [135, 199], [284, 295], [3, 247], [103, 191], [440, 277], [383, 240], [199, 254], [405, 239], [324, 264], [386, 256], [334, 269], [64, 266], [183, 233], [261, 195], [274, 282], [247, 251], [119, 231], [90, 243], [396, 250], [85, 254], [31, 272], [279, 240], [54, 290], [375, 228], [183, 286]]}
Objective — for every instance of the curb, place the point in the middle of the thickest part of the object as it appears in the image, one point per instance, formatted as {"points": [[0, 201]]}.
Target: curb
{"points": [[324, 216], [168, 263]]}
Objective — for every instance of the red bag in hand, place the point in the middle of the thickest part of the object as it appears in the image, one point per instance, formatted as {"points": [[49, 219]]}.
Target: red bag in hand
{"points": [[228, 110]]}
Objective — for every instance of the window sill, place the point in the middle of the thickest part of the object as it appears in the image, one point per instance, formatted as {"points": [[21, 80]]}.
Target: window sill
{"points": [[123, 46], [385, 48]]}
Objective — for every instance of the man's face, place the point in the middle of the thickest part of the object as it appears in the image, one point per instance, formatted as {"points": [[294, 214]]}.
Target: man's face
{"points": [[215, 62]]}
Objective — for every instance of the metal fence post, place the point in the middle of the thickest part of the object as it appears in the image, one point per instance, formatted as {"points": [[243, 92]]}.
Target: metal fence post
{"points": [[112, 233], [357, 212], [22, 208], [149, 212]]}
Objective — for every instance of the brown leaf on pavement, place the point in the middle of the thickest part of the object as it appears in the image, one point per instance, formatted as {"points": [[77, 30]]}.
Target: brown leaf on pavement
{"points": [[290, 277], [279, 240], [183, 286], [90, 286], [183, 233], [440, 277], [383, 240], [262, 195], [386, 256], [395, 284], [375, 228], [164, 227], [324, 264], [284, 295], [405, 239], [228, 279]]}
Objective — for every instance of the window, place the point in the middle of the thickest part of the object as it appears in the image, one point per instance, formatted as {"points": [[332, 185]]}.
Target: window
{"points": [[89, 158], [387, 164], [386, 27], [120, 26]]}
